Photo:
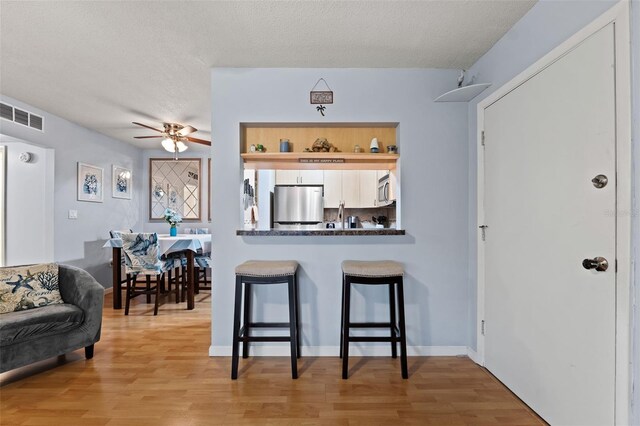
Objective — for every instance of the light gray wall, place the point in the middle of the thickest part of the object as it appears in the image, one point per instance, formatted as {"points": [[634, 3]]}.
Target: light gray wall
{"points": [[161, 226], [544, 27], [433, 145], [79, 242]]}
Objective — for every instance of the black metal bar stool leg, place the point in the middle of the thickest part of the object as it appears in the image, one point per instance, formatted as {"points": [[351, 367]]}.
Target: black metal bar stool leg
{"points": [[345, 328], [342, 319], [297, 306], [392, 319], [403, 333], [247, 319], [293, 327], [236, 330]]}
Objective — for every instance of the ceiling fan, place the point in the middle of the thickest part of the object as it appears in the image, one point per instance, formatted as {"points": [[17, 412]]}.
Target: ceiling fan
{"points": [[174, 136]]}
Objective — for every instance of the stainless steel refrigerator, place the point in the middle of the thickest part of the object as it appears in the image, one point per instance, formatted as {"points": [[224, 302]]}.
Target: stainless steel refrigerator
{"points": [[298, 206]]}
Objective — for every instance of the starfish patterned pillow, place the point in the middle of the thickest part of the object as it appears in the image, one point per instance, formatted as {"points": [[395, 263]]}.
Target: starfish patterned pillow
{"points": [[28, 287]]}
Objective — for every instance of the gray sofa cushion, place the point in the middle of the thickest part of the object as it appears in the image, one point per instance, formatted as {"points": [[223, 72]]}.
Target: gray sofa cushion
{"points": [[21, 326]]}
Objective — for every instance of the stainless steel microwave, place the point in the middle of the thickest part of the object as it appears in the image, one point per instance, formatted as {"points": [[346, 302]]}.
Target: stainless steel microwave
{"points": [[386, 193]]}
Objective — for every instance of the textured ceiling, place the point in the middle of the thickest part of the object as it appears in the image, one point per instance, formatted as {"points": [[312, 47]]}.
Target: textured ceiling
{"points": [[103, 64]]}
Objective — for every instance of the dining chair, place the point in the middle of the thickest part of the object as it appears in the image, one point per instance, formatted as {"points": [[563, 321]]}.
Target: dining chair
{"points": [[118, 234], [141, 253], [203, 263]]}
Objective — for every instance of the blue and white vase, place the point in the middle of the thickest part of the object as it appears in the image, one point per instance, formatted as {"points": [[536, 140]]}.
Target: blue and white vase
{"points": [[173, 231]]}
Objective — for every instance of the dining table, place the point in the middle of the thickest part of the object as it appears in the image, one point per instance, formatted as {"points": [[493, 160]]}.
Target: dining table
{"points": [[189, 244]]}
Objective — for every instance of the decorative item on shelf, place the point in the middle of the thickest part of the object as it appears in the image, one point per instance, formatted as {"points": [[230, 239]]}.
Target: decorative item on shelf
{"points": [[319, 97], [392, 149], [172, 218], [260, 148], [323, 145], [375, 148], [252, 148], [357, 148], [284, 145]]}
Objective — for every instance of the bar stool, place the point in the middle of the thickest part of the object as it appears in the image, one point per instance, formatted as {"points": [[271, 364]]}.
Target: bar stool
{"points": [[384, 272], [262, 272]]}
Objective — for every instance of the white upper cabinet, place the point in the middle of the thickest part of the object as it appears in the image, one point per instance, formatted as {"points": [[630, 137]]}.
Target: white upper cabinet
{"points": [[287, 177], [351, 188], [357, 188], [299, 177], [332, 188], [311, 177], [368, 188]]}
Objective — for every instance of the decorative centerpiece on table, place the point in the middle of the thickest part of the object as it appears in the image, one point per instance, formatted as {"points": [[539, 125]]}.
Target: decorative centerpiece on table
{"points": [[173, 218]]}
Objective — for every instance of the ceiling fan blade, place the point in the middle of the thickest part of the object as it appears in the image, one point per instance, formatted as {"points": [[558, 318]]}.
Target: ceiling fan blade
{"points": [[187, 130], [147, 137], [148, 127], [196, 140]]}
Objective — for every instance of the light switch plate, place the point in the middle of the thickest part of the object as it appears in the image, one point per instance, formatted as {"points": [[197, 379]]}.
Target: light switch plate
{"points": [[73, 214]]}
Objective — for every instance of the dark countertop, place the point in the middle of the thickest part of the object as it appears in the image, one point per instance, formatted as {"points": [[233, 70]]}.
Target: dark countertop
{"points": [[320, 232]]}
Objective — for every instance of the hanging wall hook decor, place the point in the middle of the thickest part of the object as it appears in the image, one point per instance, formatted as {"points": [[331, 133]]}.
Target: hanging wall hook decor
{"points": [[320, 97]]}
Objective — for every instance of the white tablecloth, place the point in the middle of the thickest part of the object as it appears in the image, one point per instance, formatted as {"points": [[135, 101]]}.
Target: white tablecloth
{"points": [[181, 242]]}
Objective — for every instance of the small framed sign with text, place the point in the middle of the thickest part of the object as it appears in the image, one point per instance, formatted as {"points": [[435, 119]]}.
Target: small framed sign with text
{"points": [[322, 97]]}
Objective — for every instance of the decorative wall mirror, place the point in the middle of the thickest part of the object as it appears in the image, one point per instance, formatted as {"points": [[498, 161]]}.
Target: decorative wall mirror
{"points": [[175, 184]]}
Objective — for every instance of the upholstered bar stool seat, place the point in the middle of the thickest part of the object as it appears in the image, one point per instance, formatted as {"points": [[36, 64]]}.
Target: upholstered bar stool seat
{"points": [[267, 268], [383, 272], [365, 268], [262, 272]]}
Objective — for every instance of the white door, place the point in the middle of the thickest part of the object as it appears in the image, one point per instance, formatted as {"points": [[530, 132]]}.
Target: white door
{"points": [[3, 173], [549, 322]]}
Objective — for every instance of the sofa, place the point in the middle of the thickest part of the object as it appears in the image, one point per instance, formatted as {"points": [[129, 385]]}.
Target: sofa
{"points": [[36, 334]]}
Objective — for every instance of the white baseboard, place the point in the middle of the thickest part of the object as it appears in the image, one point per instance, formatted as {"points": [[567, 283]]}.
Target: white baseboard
{"points": [[354, 349], [108, 290], [473, 355]]}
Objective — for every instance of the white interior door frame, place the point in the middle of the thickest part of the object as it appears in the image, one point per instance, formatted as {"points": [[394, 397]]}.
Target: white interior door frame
{"points": [[3, 172], [619, 15]]}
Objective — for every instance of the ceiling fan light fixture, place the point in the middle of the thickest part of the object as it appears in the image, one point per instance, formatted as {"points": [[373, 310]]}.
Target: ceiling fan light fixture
{"points": [[181, 146], [167, 144]]}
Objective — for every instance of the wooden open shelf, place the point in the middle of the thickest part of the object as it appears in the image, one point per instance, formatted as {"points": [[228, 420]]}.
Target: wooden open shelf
{"points": [[344, 136], [329, 160]]}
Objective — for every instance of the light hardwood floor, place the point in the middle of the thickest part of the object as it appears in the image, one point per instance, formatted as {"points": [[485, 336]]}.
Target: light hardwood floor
{"points": [[155, 371]]}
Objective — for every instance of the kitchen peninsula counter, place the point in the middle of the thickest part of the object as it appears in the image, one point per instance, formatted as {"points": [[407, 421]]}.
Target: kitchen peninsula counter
{"points": [[319, 232]]}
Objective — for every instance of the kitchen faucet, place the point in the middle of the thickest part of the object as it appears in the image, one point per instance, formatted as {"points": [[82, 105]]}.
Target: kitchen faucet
{"points": [[341, 213]]}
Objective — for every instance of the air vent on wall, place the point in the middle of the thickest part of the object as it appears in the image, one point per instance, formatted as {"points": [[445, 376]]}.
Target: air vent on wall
{"points": [[20, 116]]}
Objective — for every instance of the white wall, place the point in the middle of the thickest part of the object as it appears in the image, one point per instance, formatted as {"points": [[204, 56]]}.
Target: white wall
{"points": [[29, 203], [160, 226], [79, 242], [544, 27], [433, 145]]}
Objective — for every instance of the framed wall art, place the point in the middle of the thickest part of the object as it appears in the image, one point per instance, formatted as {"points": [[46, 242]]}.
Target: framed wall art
{"points": [[90, 183], [121, 182]]}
